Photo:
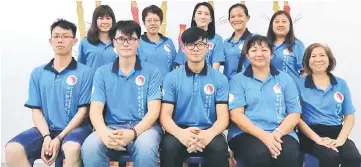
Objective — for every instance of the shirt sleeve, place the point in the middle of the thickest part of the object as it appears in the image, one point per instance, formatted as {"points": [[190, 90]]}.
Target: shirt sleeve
{"points": [[222, 90], [347, 106], [86, 88], [81, 52], [237, 96], [299, 50], [291, 96], [154, 87], [169, 89], [218, 54], [98, 89], [180, 58], [174, 54], [34, 97]]}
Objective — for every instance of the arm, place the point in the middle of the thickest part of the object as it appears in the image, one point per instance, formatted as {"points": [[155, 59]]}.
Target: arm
{"points": [[348, 124], [81, 53], [216, 65], [40, 122], [166, 119], [348, 111], [218, 54], [305, 129], [174, 55]]}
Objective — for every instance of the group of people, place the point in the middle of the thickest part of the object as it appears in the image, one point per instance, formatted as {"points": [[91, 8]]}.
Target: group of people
{"points": [[135, 94]]}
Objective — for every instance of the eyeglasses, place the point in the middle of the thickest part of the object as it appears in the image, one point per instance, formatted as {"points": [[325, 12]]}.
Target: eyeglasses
{"points": [[150, 21], [57, 37], [200, 45], [122, 40]]}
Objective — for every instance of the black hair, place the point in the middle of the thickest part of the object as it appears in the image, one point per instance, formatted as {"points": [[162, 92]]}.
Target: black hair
{"points": [[152, 9], [193, 34], [290, 37], [236, 6], [64, 24], [100, 11], [211, 31], [127, 27], [251, 41]]}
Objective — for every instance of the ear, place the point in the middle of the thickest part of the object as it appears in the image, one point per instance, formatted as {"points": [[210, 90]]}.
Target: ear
{"points": [[183, 48], [75, 41]]}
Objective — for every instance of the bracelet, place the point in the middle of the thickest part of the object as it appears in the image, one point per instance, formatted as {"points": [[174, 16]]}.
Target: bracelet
{"points": [[60, 138], [135, 133], [278, 130], [46, 136]]}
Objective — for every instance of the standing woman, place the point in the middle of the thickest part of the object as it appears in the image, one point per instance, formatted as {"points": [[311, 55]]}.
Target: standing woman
{"points": [[328, 113], [238, 18], [287, 50], [203, 17], [154, 47], [264, 110], [96, 49]]}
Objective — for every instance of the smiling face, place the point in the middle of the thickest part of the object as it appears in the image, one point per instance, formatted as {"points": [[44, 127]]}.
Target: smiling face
{"points": [[319, 60], [152, 23], [238, 19], [281, 25], [202, 17], [104, 23], [260, 54]]}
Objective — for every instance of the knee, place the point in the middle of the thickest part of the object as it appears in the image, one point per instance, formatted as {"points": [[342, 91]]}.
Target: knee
{"points": [[329, 156], [146, 146], [71, 150], [92, 145], [169, 144], [13, 152], [218, 145]]}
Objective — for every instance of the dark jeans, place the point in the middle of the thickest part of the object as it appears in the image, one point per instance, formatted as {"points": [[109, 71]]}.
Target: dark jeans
{"points": [[348, 155], [254, 153], [173, 152]]}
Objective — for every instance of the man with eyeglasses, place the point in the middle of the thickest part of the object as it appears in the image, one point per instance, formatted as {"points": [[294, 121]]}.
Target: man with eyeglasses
{"points": [[129, 91], [59, 96], [194, 107]]}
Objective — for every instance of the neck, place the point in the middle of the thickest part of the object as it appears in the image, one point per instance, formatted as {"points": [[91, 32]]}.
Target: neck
{"points": [[153, 37], [104, 37], [196, 67], [126, 64], [238, 34], [320, 76], [279, 40], [61, 62], [261, 72]]}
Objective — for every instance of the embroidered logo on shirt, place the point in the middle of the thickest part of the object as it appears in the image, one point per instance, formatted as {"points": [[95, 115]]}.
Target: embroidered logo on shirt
{"points": [[139, 80], [71, 80], [230, 98], [338, 97], [287, 52], [210, 45], [209, 89], [167, 48], [277, 88]]}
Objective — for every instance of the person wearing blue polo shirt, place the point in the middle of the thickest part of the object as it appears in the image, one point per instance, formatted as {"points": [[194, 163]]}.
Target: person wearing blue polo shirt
{"points": [[287, 49], [154, 47], [328, 113], [203, 17], [59, 96], [264, 110], [194, 108], [234, 59], [128, 90], [97, 49]]}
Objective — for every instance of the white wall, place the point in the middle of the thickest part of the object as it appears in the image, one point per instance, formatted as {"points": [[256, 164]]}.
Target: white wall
{"points": [[25, 33]]}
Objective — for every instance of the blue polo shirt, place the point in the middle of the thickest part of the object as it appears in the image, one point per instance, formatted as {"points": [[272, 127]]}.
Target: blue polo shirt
{"points": [[326, 107], [232, 51], [195, 95], [161, 54], [126, 97], [215, 52], [266, 102], [289, 61], [95, 55], [60, 95]]}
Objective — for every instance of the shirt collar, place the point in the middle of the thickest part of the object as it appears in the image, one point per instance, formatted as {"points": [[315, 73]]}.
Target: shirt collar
{"points": [[115, 68], [249, 72], [145, 38], [190, 72], [309, 83], [71, 66], [243, 37]]}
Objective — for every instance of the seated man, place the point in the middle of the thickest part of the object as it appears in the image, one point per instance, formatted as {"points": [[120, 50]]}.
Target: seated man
{"points": [[129, 91], [59, 96], [194, 108]]}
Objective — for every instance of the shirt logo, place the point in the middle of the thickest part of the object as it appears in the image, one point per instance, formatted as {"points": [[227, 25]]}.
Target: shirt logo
{"points": [[210, 45], [287, 52], [240, 47], [338, 97], [167, 48], [140, 80], [277, 88], [230, 98], [71, 80], [209, 89]]}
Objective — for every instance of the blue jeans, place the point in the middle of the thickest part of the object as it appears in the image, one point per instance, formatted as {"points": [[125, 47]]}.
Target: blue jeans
{"points": [[144, 150], [32, 141]]}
